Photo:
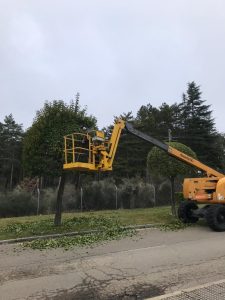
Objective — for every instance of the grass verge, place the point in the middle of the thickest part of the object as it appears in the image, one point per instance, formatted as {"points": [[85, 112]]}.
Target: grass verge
{"points": [[110, 223], [41, 225]]}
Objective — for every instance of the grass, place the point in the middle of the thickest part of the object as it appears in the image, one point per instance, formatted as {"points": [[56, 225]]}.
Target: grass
{"points": [[40, 225], [109, 223]]}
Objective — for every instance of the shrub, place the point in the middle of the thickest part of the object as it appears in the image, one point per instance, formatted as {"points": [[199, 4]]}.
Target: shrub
{"points": [[100, 194], [97, 195], [135, 193], [71, 198], [23, 203], [163, 193], [17, 203]]}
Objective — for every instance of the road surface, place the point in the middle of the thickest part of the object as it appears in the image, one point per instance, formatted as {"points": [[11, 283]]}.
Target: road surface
{"points": [[151, 263]]}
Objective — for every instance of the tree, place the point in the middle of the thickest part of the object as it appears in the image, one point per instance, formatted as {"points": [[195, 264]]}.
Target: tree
{"points": [[220, 146], [43, 144], [130, 159], [131, 156], [198, 127], [11, 135], [160, 163], [157, 121]]}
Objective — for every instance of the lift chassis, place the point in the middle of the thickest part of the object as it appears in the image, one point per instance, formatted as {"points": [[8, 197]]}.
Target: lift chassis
{"points": [[93, 152]]}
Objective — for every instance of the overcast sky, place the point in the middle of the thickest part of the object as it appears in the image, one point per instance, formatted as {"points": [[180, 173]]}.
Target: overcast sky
{"points": [[117, 54]]}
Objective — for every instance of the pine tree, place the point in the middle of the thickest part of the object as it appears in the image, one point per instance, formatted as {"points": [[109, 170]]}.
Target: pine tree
{"points": [[198, 127]]}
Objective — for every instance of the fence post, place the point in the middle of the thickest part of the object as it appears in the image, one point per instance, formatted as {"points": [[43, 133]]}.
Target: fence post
{"points": [[154, 194], [38, 196], [116, 196], [81, 199]]}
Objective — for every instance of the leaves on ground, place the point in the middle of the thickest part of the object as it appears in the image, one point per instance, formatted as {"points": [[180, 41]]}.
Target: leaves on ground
{"points": [[69, 224], [109, 229], [109, 223], [175, 225]]}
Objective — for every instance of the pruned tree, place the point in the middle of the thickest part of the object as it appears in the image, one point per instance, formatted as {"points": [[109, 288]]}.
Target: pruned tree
{"points": [[160, 163], [43, 144]]}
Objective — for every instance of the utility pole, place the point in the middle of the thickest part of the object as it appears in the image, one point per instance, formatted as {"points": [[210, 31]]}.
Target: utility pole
{"points": [[81, 199]]}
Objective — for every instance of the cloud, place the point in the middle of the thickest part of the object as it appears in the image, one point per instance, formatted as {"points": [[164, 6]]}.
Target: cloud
{"points": [[117, 54]]}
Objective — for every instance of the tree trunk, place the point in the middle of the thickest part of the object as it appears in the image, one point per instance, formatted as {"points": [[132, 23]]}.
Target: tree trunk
{"points": [[58, 213], [173, 204]]}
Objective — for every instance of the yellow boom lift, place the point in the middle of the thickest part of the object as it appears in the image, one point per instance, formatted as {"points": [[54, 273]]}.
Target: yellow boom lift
{"points": [[94, 152]]}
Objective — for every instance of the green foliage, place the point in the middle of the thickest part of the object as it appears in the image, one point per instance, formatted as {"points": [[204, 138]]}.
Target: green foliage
{"points": [[190, 122], [43, 224], [132, 152], [80, 240], [179, 197], [130, 158], [40, 227], [130, 193], [157, 121], [107, 229], [160, 163], [43, 144], [174, 225], [20, 202], [135, 193], [99, 194], [197, 127], [17, 203], [11, 135]]}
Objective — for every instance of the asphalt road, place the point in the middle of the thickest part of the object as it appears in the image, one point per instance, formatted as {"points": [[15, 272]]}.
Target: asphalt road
{"points": [[152, 263]]}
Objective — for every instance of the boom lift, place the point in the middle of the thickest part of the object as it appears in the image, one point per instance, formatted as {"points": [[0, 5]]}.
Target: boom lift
{"points": [[94, 152]]}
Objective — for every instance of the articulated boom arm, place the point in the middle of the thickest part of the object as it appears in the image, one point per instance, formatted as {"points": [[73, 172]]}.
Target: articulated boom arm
{"points": [[114, 140], [174, 152], [95, 153]]}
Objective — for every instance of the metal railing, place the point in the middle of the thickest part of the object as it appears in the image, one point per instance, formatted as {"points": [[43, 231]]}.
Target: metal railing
{"points": [[78, 148]]}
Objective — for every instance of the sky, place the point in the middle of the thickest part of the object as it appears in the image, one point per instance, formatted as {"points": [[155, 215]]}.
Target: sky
{"points": [[117, 54]]}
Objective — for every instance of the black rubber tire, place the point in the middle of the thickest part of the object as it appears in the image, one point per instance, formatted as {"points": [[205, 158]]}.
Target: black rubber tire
{"points": [[185, 212], [215, 217]]}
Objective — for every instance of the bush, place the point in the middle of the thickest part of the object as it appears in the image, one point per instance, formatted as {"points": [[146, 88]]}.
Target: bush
{"points": [[164, 193], [97, 195], [100, 194], [23, 203], [48, 200], [135, 193], [71, 198], [104, 194], [17, 203]]}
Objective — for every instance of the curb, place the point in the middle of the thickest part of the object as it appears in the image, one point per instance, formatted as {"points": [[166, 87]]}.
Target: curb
{"points": [[74, 233], [184, 291]]}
